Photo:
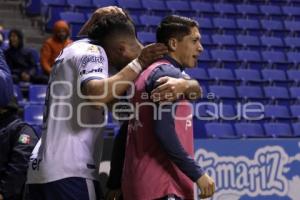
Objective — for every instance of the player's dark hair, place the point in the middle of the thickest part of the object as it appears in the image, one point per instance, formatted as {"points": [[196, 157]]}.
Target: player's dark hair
{"points": [[111, 26], [174, 26]]}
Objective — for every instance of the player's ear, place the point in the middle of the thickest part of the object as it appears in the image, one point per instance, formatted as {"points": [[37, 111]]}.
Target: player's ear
{"points": [[172, 43]]}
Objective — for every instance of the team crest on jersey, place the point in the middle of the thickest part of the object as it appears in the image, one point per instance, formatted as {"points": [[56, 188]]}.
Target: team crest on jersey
{"points": [[93, 49], [24, 139]]}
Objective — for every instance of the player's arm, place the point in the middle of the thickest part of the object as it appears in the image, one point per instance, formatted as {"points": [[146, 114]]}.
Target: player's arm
{"points": [[170, 87], [6, 83], [105, 90]]}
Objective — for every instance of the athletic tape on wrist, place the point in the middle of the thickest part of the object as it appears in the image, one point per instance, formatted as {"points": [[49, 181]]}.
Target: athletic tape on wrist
{"points": [[135, 66]]}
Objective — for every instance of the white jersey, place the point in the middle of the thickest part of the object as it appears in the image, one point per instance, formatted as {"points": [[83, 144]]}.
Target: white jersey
{"points": [[72, 142]]}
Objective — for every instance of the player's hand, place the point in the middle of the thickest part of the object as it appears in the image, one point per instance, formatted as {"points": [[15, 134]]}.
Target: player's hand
{"points": [[97, 15], [170, 89], [206, 185], [151, 53], [113, 194]]}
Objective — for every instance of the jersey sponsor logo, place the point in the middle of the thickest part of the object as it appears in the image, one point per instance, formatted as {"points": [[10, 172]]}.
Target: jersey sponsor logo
{"points": [[93, 49], [91, 59], [83, 72], [35, 163], [24, 139]]}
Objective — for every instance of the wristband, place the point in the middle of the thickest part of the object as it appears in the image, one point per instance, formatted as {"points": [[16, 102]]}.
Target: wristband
{"points": [[135, 66]]}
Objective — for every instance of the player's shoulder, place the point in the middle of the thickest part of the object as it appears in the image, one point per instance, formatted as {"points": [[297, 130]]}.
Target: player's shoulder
{"points": [[84, 47]]}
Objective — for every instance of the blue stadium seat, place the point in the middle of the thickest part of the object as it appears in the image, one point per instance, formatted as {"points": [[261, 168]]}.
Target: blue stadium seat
{"points": [[296, 129], [130, 4], [179, 6], [276, 93], [295, 92], [33, 114], [37, 93], [225, 8], [197, 73], [248, 75], [248, 41], [221, 74], [292, 26], [206, 40], [292, 42], [295, 111], [273, 57], [247, 9], [271, 42], [250, 92], [103, 3], [291, 10], [80, 4], [223, 92], [202, 7], [146, 37], [33, 8], [223, 112], [248, 24], [223, 55], [204, 57], [150, 20], [275, 112], [72, 17], [204, 23], [50, 10], [270, 10], [293, 57], [223, 40], [272, 25], [219, 130], [154, 5], [278, 129], [249, 130], [274, 75], [293, 75], [248, 56], [224, 23]]}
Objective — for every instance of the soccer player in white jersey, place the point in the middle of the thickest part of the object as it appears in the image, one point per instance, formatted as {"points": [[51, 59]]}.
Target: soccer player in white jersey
{"points": [[65, 165]]}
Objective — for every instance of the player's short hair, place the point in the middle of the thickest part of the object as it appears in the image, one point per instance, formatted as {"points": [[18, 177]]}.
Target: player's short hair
{"points": [[111, 26], [174, 26]]}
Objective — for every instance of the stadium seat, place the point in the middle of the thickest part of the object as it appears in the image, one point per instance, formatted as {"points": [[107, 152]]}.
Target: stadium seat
{"points": [[132, 5], [295, 92], [270, 10], [80, 4], [248, 24], [150, 20], [292, 42], [204, 23], [224, 23], [221, 74], [249, 130], [248, 41], [222, 91], [154, 5], [296, 129], [272, 25], [292, 26], [248, 75], [72, 17], [202, 7], [278, 129], [247, 9], [274, 75], [103, 3], [33, 114], [219, 130], [223, 112], [291, 11], [250, 92], [275, 112], [146, 37], [276, 93], [197, 73], [223, 40], [50, 10], [223, 55], [295, 111], [179, 6], [271, 42], [204, 56], [293, 57], [273, 57], [293, 75], [248, 56], [37, 93], [225, 8], [206, 40]]}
